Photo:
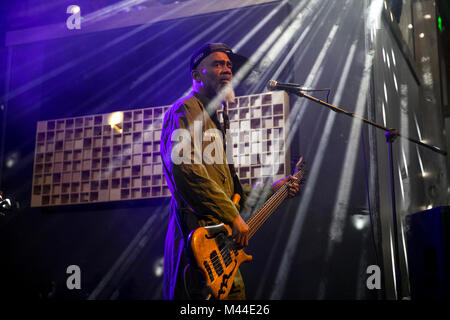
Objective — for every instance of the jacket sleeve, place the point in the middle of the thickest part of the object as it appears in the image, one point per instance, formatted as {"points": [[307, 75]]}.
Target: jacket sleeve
{"points": [[202, 193]]}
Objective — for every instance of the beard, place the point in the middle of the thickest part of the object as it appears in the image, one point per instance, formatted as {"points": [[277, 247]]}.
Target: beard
{"points": [[227, 93]]}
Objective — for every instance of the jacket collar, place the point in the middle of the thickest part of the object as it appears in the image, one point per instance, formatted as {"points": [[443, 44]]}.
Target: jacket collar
{"points": [[203, 99]]}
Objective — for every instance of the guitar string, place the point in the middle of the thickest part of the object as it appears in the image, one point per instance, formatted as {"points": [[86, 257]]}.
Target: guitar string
{"points": [[258, 219], [216, 260], [272, 202], [280, 194], [261, 216], [275, 199], [255, 223]]}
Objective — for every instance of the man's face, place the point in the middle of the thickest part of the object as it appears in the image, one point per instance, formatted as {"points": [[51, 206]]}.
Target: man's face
{"points": [[213, 73]]}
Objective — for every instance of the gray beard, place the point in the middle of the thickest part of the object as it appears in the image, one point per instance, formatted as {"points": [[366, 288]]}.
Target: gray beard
{"points": [[227, 93]]}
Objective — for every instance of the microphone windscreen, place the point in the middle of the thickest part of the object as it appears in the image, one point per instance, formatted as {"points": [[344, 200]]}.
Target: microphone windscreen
{"points": [[272, 84]]}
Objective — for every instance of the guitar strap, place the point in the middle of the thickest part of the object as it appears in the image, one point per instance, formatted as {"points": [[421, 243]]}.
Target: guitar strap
{"points": [[225, 128]]}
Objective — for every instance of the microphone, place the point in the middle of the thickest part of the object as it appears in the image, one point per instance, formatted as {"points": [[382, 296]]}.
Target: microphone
{"points": [[275, 85]]}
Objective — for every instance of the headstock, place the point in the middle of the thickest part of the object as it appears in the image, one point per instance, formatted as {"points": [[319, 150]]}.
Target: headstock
{"points": [[300, 170], [299, 166]]}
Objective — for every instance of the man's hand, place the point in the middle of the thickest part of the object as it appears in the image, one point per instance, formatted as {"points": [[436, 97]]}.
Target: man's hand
{"points": [[240, 232], [292, 183]]}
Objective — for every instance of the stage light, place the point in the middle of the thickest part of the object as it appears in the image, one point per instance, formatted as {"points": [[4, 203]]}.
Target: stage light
{"points": [[417, 127], [7, 204], [422, 170], [170, 1], [395, 82], [405, 162], [384, 113], [115, 121], [75, 9], [394, 272], [410, 26], [402, 189], [372, 23], [360, 221], [12, 159], [385, 93], [427, 16], [422, 35], [158, 267], [393, 58]]}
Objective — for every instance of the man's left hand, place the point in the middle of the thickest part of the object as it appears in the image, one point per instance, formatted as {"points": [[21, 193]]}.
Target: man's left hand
{"points": [[292, 184]]}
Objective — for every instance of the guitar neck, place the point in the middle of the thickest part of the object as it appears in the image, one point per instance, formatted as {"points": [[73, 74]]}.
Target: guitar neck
{"points": [[263, 213]]}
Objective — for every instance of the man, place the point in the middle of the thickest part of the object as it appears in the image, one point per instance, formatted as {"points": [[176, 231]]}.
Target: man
{"points": [[201, 190]]}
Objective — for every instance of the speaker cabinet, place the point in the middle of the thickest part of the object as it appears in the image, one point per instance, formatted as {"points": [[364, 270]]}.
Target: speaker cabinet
{"points": [[428, 245]]}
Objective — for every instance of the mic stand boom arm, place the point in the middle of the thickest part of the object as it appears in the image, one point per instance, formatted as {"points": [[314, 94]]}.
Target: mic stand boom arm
{"points": [[390, 135]]}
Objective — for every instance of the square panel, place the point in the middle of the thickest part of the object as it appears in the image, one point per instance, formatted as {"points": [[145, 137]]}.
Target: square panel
{"points": [[96, 159]]}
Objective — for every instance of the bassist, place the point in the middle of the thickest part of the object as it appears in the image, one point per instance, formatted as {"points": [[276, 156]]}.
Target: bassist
{"points": [[201, 190]]}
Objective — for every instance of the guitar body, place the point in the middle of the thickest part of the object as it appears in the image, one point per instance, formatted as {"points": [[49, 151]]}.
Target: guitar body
{"points": [[216, 257]]}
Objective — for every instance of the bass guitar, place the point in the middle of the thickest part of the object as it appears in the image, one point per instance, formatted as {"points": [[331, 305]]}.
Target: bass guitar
{"points": [[216, 255]]}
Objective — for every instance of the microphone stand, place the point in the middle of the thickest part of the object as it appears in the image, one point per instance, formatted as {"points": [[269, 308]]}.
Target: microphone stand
{"points": [[390, 134]]}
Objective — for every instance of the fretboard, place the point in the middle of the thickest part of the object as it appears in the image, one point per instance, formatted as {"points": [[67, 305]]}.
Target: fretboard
{"points": [[261, 215]]}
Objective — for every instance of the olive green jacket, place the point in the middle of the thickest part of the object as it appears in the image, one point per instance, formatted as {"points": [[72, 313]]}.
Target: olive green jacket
{"points": [[201, 189]]}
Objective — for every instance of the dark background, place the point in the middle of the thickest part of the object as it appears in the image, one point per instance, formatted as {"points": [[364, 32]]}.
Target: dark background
{"points": [[122, 243]]}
